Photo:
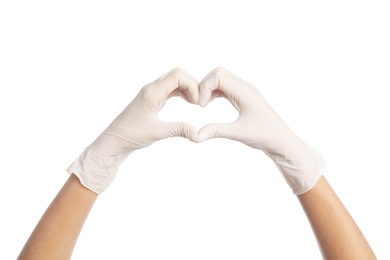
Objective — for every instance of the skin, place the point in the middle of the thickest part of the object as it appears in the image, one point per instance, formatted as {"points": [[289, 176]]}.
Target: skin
{"points": [[259, 127], [337, 234], [56, 233]]}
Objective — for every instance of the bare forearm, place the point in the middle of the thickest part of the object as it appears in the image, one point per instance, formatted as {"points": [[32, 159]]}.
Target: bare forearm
{"points": [[56, 233], [337, 233]]}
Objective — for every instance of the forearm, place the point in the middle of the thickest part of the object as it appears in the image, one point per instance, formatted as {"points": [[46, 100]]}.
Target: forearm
{"points": [[56, 233], [337, 234]]}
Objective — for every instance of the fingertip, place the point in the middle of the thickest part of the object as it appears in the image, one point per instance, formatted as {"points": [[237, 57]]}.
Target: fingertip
{"points": [[208, 132], [179, 80], [189, 132], [203, 137], [188, 84], [204, 93], [203, 101], [181, 129], [193, 93], [218, 130], [211, 84]]}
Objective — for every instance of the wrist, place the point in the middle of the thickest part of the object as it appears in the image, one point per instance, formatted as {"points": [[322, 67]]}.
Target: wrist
{"points": [[301, 166], [96, 168]]}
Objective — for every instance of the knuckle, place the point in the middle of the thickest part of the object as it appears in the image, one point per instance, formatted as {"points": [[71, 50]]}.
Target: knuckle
{"points": [[147, 92], [219, 71], [183, 129], [176, 72]]}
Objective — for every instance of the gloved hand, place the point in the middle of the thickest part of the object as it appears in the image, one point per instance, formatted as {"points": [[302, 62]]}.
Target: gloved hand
{"points": [[136, 127], [259, 126]]}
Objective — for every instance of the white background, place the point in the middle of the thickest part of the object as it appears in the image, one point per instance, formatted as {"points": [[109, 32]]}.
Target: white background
{"points": [[67, 68]]}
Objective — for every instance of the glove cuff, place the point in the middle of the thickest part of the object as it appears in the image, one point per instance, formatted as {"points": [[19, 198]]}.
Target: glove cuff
{"points": [[301, 170], [95, 168]]}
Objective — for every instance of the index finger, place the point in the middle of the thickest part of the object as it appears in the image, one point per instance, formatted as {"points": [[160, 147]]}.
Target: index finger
{"points": [[178, 80], [233, 87]]}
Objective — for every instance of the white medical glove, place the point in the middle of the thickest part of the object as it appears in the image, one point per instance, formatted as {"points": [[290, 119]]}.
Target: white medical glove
{"points": [[136, 127], [259, 126]]}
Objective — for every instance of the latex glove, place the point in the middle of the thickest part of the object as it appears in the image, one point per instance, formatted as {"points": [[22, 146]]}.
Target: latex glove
{"points": [[136, 127], [259, 126]]}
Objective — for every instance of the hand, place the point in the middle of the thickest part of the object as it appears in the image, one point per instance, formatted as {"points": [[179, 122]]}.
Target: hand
{"points": [[259, 126], [136, 127]]}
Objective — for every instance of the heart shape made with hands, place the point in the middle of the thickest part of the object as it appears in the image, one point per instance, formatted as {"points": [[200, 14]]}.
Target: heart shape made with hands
{"points": [[139, 125], [216, 91], [219, 83]]}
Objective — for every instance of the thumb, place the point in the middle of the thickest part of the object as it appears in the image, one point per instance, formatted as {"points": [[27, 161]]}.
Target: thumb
{"points": [[219, 130], [180, 129]]}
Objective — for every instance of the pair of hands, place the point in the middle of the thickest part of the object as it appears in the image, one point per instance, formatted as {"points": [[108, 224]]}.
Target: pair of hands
{"points": [[257, 126]]}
